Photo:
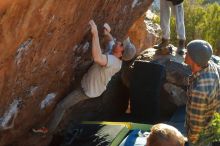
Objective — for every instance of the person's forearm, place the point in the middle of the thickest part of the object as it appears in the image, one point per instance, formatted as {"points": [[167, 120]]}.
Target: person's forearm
{"points": [[108, 37], [97, 55], [96, 49]]}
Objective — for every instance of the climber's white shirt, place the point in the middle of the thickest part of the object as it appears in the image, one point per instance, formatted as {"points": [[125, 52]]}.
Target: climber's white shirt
{"points": [[95, 81]]}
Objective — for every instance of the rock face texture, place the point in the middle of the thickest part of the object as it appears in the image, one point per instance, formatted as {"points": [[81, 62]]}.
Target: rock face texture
{"points": [[144, 33], [44, 51]]}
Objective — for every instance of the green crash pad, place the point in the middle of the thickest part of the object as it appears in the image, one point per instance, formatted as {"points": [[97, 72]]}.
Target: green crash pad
{"points": [[90, 133]]}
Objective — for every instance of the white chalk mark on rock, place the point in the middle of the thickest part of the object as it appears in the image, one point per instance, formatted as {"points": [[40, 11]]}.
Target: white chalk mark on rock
{"points": [[85, 47], [7, 121], [22, 50], [135, 3], [48, 100]]}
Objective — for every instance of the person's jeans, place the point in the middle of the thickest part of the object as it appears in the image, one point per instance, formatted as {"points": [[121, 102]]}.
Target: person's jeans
{"points": [[165, 14], [178, 119], [72, 99]]}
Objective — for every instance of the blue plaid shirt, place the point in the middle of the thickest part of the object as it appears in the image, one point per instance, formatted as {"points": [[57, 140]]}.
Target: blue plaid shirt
{"points": [[203, 100]]}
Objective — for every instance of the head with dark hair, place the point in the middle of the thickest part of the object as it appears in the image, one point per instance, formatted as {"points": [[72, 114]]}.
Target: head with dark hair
{"points": [[124, 50]]}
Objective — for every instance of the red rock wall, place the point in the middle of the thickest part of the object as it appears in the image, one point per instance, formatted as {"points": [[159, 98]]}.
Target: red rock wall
{"points": [[144, 33], [43, 44]]}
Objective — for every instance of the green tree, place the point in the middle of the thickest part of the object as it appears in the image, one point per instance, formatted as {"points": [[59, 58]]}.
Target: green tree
{"points": [[212, 134], [201, 22]]}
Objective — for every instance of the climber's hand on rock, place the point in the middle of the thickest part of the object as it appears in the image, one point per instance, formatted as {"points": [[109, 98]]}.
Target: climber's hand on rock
{"points": [[107, 27], [105, 32], [93, 27]]}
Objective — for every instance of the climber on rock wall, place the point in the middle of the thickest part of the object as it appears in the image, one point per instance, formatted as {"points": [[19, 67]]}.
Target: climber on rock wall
{"points": [[95, 81]]}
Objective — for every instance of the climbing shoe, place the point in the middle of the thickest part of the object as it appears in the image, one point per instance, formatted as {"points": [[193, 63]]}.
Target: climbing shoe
{"points": [[162, 44], [181, 47], [42, 130]]}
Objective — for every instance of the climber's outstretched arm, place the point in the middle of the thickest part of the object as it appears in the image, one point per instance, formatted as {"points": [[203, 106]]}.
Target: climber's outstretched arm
{"points": [[97, 55]]}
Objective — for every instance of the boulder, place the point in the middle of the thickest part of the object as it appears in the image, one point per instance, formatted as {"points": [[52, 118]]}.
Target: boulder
{"points": [[173, 92]]}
